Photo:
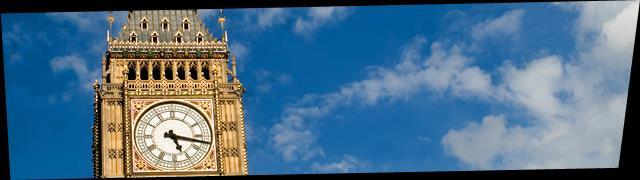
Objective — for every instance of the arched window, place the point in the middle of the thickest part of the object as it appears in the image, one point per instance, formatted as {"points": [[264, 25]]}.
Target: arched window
{"points": [[205, 72], [168, 71], [133, 37], [108, 78], [144, 73], [199, 37], [178, 37], [181, 73], [144, 23], [156, 73], [131, 74], [154, 37], [185, 24], [165, 24], [193, 72]]}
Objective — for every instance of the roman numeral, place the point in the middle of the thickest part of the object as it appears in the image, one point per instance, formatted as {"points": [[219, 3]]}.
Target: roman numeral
{"points": [[152, 147], [194, 125], [198, 135], [196, 147], [160, 117], [174, 158], [161, 156], [172, 114]]}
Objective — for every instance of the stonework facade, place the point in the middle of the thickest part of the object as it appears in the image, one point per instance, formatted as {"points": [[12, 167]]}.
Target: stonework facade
{"points": [[168, 57]]}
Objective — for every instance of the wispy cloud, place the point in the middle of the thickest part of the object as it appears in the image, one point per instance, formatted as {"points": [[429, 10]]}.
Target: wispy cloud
{"points": [[506, 26], [83, 21], [267, 79], [84, 74], [344, 165], [318, 17], [446, 68], [252, 20], [242, 52], [257, 20], [18, 39]]}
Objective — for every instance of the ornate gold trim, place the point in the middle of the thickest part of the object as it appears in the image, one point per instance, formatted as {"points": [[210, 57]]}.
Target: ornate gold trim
{"points": [[244, 141], [217, 114], [140, 105], [96, 146]]}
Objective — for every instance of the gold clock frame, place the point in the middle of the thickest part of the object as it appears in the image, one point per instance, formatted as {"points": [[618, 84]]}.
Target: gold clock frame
{"points": [[135, 107]]}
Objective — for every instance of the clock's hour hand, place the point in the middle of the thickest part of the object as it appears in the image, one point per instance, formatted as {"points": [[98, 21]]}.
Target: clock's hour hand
{"points": [[174, 138]]}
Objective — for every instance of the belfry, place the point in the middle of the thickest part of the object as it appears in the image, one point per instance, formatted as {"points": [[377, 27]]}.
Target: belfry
{"points": [[170, 102]]}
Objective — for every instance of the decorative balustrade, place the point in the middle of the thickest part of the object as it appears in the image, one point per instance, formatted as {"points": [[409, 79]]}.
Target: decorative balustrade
{"points": [[179, 85], [112, 86]]}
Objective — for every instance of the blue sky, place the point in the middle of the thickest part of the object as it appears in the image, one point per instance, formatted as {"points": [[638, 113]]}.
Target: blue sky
{"points": [[361, 89]]}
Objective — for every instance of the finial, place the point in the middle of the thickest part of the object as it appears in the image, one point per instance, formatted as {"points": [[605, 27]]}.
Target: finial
{"points": [[95, 84], [221, 19], [110, 19]]}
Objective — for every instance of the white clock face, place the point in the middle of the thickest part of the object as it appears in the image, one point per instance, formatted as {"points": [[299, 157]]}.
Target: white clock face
{"points": [[173, 136]]}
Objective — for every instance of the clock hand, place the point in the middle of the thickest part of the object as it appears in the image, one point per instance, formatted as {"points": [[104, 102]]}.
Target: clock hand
{"points": [[191, 139], [174, 138]]}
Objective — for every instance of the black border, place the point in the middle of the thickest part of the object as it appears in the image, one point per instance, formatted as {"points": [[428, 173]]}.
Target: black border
{"points": [[627, 157]]}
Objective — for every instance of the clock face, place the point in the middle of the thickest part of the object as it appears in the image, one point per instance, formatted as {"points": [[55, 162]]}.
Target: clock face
{"points": [[172, 136]]}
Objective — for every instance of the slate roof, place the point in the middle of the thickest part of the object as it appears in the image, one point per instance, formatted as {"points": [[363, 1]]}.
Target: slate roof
{"points": [[155, 18]]}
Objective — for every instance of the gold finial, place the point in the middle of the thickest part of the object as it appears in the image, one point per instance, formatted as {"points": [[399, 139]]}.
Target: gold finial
{"points": [[221, 19], [95, 84]]}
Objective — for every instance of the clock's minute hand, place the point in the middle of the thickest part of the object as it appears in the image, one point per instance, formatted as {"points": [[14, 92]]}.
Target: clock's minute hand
{"points": [[191, 139]]}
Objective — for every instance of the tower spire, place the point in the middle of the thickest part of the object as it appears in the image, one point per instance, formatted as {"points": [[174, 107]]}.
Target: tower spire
{"points": [[110, 20], [233, 68], [221, 20]]}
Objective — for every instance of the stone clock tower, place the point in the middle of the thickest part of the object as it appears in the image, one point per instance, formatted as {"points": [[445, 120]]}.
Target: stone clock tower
{"points": [[169, 103]]}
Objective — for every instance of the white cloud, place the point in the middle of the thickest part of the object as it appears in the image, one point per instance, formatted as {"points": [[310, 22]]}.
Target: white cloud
{"points": [[257, 19], [536, 86], [507, 25], [424, 138], [318, 17], [267, 79], [19, 39], [445, 69], [85, 76], [470, 143], [575, 108], [241, 51], [91, 22], [83, 21], [472, 82], [255, 134], [206, 14], [344, 165], [269, 17]]}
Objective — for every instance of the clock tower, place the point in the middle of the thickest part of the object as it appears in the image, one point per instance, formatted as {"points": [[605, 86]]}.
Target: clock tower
{"points": [[170, 103]]}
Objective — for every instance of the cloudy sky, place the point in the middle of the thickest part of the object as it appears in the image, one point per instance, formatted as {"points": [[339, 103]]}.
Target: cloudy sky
{"points": [[361, 89]]}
